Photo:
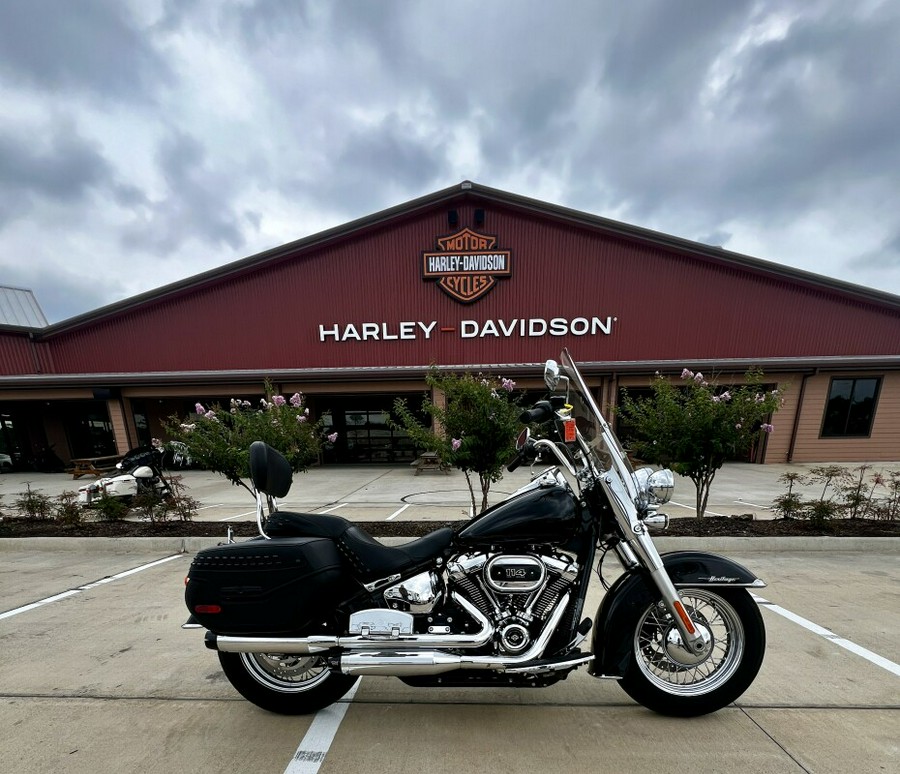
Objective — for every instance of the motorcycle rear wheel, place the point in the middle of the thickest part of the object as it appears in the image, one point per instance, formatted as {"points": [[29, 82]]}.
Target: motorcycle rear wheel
{"points": [[661, 675], [283, 683]]}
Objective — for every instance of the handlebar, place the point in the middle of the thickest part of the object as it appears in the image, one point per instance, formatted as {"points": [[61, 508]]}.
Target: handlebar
{"points": [[542, 411]]}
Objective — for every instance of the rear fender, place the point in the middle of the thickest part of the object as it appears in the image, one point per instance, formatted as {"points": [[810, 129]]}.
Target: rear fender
{"points": [[632, 592]]}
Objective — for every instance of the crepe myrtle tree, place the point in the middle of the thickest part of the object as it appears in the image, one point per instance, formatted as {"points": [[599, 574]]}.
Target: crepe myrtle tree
{"points": [[473, 429], [219, 438], [694, 426]]}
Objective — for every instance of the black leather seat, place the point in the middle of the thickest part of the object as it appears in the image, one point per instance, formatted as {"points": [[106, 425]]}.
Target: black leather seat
{"points": [[370, 559]]}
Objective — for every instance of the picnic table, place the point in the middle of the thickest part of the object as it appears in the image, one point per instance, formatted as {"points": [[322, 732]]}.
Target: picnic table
{"points": [[93, 466], [429, 461]]}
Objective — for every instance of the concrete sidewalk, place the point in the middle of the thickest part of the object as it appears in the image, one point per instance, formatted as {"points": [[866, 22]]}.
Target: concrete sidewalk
{"points": [[376, 493]]}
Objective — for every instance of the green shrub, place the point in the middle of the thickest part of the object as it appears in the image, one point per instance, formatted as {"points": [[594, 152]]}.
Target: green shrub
{"points": [[34, 504], [109, 508], [67, 510]]}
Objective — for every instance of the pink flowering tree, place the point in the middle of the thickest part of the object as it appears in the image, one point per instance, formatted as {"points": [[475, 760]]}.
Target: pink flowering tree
{"points": [[693, 426], [474, 429], [218, 437]]}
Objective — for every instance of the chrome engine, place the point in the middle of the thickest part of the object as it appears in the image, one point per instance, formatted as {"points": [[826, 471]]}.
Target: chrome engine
{"points": [[515, 592]]}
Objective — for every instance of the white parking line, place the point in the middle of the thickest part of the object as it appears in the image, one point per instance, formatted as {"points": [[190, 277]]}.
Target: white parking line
{"points": [[692, 508], [396, 513], [317, 742], [754, 505], [231, 518], [334, 507], [829, 635], [87, 586]]}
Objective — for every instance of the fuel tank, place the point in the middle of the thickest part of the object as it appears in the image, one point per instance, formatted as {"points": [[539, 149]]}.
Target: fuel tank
{"points": [[545, 515]]}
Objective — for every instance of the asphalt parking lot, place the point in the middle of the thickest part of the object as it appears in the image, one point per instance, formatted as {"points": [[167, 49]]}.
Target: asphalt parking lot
{"points": [[98, 676]]}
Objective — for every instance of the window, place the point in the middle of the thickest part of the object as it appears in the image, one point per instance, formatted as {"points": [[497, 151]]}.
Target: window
{"points": [[850, 408]]}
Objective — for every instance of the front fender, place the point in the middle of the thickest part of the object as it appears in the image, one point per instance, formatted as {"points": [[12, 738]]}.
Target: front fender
{"points": [[632, 592]]}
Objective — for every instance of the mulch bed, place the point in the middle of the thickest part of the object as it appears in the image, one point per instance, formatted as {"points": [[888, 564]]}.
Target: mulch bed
{"points": [[714, 526]]}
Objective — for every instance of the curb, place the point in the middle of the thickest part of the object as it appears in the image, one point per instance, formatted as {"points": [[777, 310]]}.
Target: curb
{"points": [[727, 545]]}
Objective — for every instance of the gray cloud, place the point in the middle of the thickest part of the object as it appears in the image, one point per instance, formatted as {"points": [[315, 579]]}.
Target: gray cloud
{"points": [[89, 46], [63, 170], [886, 257], [197, 204]]}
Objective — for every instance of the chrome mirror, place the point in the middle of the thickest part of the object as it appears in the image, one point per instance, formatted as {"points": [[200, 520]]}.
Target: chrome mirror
{"points": [[551, 374], [522, 440]]}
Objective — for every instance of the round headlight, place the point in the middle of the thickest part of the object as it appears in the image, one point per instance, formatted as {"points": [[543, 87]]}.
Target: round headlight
{"points": [[656, 486]]}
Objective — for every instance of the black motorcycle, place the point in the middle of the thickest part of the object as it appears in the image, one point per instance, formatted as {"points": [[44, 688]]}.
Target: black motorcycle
{"points": [[299, 613]]}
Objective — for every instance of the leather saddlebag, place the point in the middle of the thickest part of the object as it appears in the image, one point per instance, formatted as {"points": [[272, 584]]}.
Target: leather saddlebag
{"points": [[264, 587]]}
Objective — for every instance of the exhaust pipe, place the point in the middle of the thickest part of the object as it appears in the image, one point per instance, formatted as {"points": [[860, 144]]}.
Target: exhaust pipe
{"points": [[305, 646], [412, 663]]}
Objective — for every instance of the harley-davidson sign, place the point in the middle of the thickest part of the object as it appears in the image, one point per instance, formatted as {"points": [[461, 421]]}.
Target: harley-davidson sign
{"points": [[467, 265]]}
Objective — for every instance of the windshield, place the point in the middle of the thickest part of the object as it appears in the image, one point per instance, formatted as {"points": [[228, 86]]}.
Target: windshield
{"points": [[604, 446]]}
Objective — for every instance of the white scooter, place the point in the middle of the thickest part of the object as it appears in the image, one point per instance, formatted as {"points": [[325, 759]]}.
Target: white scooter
{"points": [[140, 471]]}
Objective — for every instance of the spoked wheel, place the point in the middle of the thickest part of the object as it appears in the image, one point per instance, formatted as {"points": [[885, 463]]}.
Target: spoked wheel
{"points": [[666, 677], [283, 683]]}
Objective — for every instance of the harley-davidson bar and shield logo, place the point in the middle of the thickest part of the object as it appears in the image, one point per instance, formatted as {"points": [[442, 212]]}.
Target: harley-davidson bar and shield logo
{"points": [[466, 265]]}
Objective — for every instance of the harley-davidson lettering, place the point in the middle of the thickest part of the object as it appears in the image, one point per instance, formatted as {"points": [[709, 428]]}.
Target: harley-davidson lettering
{"points": [[537, 326], [467, 265], [373, 331], [468, 329]]}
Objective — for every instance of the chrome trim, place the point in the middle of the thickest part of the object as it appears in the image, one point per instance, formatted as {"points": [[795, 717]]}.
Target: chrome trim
{"points": [[513, 585], [380, 622], [555, 666], [408, 663], [377, 584], [418, 594]]}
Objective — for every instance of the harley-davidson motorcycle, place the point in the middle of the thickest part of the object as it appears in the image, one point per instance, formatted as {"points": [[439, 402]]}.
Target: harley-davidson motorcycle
{"points": [[300, 612], [138, 472]]}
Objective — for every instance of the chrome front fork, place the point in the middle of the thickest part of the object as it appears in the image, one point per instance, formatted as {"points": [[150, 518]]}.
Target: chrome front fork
{"points": [[639, 549]]}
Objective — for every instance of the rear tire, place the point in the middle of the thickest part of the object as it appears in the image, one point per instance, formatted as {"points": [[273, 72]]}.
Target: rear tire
{"points": [[659, 678], [283, 683]]}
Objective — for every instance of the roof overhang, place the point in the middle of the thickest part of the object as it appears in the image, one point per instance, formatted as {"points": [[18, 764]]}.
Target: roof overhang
{"points": [[418, 372]]}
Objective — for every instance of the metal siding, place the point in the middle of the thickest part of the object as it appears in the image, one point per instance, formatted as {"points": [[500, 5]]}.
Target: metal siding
{"points": [[15, 354], [668, 305]]}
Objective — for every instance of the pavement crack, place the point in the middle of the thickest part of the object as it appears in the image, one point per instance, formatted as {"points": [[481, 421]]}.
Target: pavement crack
{"points": [[774, 741]]}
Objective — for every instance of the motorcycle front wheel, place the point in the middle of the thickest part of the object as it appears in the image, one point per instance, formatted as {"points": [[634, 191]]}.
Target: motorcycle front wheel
{"points": [[664, 677], [283, 683]]}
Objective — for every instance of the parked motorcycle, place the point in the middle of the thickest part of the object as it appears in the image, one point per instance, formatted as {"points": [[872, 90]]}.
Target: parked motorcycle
{"points": [[297, 614], [140, 471]]}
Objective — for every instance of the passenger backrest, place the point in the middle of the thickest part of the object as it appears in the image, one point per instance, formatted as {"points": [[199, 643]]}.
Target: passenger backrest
{"points": [[269, 470]]}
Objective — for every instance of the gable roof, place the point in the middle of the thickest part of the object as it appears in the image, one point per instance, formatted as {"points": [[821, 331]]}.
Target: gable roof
{"points": [[470, 192]]}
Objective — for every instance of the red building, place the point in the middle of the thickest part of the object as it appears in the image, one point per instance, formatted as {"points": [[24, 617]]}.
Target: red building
{"points": [[466, 278]]}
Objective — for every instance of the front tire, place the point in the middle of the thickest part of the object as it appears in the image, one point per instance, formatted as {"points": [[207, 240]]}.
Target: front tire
{"points": [[662, 676], [285, 684]]}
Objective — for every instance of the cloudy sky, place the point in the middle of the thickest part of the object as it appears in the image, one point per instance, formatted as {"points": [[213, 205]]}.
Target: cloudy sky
{"points": [[144, 141]]}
